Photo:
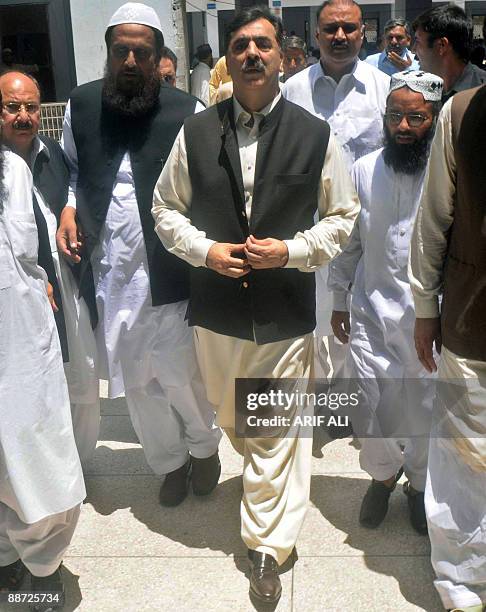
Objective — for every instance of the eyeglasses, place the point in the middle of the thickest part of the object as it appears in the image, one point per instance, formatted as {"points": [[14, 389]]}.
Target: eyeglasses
{"points": [[413, 119], [121, 52], [13, 108]]}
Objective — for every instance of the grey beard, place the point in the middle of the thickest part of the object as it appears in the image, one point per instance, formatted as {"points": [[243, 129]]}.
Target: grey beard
{"points": [[137, 103]]}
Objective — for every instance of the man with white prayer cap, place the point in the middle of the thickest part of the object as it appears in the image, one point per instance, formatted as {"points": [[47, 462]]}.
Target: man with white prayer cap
{"points": [[118, 132], [373, 269], [448, 259], [41, 482]]}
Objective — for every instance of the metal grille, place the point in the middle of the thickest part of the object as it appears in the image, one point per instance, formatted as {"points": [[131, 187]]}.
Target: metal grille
{"points": [[51, 120], [478, 21], [371, 30]]}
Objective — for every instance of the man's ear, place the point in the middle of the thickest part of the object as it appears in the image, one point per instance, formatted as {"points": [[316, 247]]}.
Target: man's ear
{"points": [[443, 45]]}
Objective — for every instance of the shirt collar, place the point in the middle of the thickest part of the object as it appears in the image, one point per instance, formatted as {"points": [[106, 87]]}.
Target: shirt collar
{"points": [[465, 80], [38, 147], [242, 116], [316, 72]]}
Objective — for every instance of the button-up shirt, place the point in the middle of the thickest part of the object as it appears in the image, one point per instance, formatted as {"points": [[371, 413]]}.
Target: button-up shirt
{"points": [[472, 76], [337, 201], [381, 61], [354, 107]]}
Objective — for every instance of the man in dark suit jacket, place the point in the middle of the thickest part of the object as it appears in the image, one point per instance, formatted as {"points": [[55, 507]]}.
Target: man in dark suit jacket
{"points": [[45, 158]]}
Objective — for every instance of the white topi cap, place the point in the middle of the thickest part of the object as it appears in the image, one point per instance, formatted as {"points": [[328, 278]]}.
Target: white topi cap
{"points": [[135, 12], [426, 83]]}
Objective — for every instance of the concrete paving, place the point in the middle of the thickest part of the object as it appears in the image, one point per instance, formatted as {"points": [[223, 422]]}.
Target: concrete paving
{"points": [[129, 553]]}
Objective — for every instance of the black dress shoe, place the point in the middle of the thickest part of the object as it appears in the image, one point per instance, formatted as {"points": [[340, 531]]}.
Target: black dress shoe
{"points": [[264, 579], [11, 576], [205, 474], [175, 486], [53, 586], [416, 507], [375, 504]]}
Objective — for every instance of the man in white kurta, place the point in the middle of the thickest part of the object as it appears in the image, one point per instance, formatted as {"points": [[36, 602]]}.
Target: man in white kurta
{"points": [[20, 131], [41, 482], [349, 94], [262, 343], [374, 266], [146, 350], [202, 73], [455, 494]]}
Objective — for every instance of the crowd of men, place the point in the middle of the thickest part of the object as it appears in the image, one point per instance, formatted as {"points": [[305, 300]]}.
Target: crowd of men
{"points": [[323, 221]]}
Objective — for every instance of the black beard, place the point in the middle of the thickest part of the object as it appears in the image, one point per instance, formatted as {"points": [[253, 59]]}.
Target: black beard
{"points": [[135, 101], [406, 158]]}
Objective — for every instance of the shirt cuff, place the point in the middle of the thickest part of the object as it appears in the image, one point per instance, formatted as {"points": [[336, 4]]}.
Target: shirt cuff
{"points": [[298, 253], [339, 301], [427, 308], [199, 251]]}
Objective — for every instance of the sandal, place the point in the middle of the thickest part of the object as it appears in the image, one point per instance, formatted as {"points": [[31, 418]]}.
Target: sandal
{"points": [[11, 576]]}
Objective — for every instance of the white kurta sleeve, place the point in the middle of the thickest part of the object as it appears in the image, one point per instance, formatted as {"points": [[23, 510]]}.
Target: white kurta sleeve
{"points": [[338, 207], [435, 215], [171, 208], [69, 147], [343, 270]]}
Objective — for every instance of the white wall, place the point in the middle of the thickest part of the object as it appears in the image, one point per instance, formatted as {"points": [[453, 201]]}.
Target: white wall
{"points": [[89, 20]]}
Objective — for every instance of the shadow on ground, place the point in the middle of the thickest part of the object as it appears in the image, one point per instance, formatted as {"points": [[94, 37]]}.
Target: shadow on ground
{"points": [[338, 499]]}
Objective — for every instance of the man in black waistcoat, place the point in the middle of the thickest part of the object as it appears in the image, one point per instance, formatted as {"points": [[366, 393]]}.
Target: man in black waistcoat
{"points": [[44, 156], [118, 131], [240, 209]]}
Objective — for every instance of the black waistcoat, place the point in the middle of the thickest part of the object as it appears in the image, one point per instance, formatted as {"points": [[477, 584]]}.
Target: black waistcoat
{"points": [[102, 139], [266, 305], [51, 178]]}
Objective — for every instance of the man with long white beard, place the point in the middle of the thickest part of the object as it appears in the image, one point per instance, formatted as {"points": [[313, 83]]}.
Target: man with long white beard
{"points": [[118, 132], [374, 266]]}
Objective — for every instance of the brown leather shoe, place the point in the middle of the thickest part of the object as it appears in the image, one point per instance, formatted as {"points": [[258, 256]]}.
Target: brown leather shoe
{"points": [[175, 486], [205, 474], [264, 579]]}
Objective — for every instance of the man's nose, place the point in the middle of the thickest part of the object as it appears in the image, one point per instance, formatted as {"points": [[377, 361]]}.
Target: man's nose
{"points": [[130, 61], [340, 34], [403, 125], [23, 115], [252, 49]]}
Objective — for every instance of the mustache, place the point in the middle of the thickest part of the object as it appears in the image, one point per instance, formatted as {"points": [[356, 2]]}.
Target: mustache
{"points": [[253, 64], [339, 43], [22, 125]]}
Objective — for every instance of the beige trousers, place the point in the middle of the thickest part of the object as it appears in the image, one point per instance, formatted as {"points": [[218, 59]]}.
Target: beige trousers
{"points": [[276, 471], [455, 492]]}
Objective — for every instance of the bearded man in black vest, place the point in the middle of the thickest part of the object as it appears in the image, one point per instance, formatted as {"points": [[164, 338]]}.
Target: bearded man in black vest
{"points": [[237, 199], [117, 133]]}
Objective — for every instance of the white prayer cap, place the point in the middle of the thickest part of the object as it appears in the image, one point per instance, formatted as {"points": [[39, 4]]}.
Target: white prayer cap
{"points": [[136, 12], [429, 85]]}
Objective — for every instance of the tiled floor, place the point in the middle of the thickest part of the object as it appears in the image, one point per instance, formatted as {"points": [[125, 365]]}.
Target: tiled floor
{"points": [[130, 554]]}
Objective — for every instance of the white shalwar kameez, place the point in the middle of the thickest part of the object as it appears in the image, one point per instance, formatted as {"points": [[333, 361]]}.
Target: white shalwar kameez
{"points": [[81, 370], [382, 320], [41, 482], [354, 109], [145, 352]]}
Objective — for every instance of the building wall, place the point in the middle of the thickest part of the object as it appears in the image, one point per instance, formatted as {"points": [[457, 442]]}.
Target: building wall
{"points": [[89, 21]]}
